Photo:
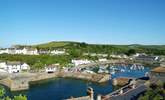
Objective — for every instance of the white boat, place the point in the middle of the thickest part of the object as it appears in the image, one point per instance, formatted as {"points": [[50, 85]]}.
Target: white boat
{"points": [[122, 70], [113, 72]]}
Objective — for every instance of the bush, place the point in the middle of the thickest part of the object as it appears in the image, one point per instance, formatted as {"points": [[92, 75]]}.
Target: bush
{"points": [[154, 92], [3, 97]]}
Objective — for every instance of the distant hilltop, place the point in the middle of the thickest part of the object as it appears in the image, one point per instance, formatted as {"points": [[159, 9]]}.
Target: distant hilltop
{"points": [[61, 44], [53, 44], [98, 48]]}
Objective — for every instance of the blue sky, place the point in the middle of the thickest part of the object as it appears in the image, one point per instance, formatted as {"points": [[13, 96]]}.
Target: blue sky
{"points": [[91, 21]]}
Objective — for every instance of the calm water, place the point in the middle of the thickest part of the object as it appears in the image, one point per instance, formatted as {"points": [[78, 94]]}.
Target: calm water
{"points": [[62, 88]]}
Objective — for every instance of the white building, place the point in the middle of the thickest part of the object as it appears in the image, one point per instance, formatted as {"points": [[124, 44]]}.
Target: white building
{"points": [[25, 66], [51, 68], [58, 52], [30, 51], [8, 51], [121, 56], [44, 52], [80, 62], [115, 56], [2, 65], [25, 51], [140, 54], [102, 60], [13, 66], [2, 51], [95, 54]]}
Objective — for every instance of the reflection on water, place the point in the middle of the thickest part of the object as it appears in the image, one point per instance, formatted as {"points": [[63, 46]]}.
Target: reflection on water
{"points": [[61, 88]]}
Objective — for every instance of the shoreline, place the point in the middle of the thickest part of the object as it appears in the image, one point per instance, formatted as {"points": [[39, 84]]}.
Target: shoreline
{"points": [[21, 81]]}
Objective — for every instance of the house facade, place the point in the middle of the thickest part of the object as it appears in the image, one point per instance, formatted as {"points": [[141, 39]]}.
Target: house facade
{"points": [[30, 51], [147, 59], [102, 60], [25, 51], [2, 51], [80, 62], [57, 52], [13, 66], [51, 68]]}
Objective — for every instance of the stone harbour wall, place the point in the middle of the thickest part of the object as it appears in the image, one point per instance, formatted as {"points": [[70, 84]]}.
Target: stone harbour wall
{"points": [[21, 82]]}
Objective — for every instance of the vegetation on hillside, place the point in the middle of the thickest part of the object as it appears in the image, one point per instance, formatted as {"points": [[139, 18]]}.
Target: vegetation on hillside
{"points": [[76, 50], [155, 92], [98, 48], [37, 61], [3, 97]]}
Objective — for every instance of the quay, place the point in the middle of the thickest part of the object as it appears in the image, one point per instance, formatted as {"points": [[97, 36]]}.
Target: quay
{"points": [[127, 92], [21, 81]]}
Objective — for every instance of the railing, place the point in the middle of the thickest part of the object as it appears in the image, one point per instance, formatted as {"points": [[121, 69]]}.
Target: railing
{"points": [[126, 90]]}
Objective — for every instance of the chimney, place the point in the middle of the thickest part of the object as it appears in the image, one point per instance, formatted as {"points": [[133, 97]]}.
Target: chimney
{"points": [[90, 92]]}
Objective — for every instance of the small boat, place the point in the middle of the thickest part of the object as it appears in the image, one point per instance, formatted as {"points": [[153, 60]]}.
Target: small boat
{"points": [[122, 70], [113, 72]]}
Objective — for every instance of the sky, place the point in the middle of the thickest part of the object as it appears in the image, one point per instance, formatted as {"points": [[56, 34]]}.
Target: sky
{"points": [[91, 21]]}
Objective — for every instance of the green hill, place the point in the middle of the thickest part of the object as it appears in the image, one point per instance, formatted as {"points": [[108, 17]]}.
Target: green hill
{"points": [[52, 45], [99, 48]]}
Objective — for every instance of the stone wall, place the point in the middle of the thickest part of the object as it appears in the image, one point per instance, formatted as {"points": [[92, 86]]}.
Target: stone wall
{"points": [[21, 82], [18, 85]]}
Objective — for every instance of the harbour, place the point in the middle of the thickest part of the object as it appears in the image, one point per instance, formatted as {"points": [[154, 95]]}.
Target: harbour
{"points": [[55, 88]]}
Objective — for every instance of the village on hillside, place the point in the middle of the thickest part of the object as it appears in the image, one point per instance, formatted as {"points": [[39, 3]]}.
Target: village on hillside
{"points": [[18, 66], [101, 69]]}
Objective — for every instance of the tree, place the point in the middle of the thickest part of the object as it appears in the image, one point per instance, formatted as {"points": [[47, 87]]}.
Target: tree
{"points": [[2, 91], [146, 97], [155, 92], [20, 97], [38, 65], [2, 96], [130, 52]]}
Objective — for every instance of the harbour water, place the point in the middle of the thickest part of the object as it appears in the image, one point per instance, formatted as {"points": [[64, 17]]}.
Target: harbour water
{"points": [[128, 72], [63, 88]]}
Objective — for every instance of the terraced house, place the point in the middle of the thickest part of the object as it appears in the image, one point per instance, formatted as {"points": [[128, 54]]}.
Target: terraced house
{"points": [[13, 66]]}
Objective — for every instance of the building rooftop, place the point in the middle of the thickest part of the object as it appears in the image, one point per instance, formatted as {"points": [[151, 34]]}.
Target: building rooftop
{"points": [[159, 69]]}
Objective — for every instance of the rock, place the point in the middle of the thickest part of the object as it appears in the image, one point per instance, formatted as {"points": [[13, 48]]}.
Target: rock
{"points": [[121, 81]]}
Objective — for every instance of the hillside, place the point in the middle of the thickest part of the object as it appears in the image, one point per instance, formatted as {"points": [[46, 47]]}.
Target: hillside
{"points": [[53, 44], [100, 48]]}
